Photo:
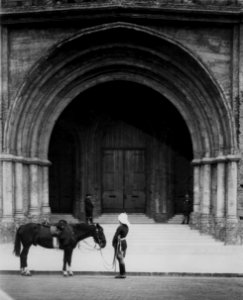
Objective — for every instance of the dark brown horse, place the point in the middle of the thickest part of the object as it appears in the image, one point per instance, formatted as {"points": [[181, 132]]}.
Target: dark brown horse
{"points": [[68, 236]]}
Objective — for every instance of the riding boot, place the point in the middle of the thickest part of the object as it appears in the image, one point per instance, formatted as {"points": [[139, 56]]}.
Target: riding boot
{"points": [[122, 269]]}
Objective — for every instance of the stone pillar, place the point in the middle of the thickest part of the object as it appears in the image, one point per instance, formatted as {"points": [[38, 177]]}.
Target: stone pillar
{"points": [[205, 225], [34, 191], [19, 185], [8, 192], [219, 229], [45, 191], [7, 228], [231, 200], [195, 215]]}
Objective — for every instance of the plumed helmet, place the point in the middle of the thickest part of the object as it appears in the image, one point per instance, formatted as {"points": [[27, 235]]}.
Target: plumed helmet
{"points": [[123, 218]]}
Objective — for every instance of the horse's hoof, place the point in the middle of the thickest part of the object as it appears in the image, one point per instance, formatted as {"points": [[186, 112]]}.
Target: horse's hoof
{"points": [[70, 273], [65, 274], [26, 274]]}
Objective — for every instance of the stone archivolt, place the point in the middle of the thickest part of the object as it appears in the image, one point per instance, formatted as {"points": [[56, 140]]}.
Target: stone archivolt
{"points": [[194, 4]]}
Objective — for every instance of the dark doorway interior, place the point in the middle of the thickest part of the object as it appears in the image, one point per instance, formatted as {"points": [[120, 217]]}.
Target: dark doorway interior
{"points": [[126, 145], [61, 177]]}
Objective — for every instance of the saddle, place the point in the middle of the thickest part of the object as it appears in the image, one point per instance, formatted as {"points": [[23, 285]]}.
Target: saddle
{"points": [[55, 231]]}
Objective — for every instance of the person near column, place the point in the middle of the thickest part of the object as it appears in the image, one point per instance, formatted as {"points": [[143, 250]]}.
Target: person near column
{"points": [[89, 206], [120, 244], [186, 209]]}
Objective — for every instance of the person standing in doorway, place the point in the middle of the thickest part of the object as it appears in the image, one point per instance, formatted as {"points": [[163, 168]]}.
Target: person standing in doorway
{"points": [[120, 244], [89, 206], [186, 209]]}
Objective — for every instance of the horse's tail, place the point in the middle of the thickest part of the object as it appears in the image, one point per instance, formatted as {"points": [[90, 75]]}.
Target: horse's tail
{"points": [[17, 244]]}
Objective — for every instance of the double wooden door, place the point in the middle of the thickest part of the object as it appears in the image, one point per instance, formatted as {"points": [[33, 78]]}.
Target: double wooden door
{"points": [[124, 180]]}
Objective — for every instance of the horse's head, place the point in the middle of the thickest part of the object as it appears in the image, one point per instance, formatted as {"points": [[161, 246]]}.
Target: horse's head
{"points": [[99, 236]]}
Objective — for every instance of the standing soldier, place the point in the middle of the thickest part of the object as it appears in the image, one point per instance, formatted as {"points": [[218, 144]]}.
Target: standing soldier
{"points": [[88, 209], [120, 244], [186, 209]]}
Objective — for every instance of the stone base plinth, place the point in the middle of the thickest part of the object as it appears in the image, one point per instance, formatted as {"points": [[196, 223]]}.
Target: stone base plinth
{"points": [[205, 224], [160, 217], [7, 231], [195, 220], [233, 233], [219, 229]]}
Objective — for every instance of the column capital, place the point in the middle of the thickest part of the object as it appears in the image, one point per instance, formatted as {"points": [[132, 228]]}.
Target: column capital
{"points": [[208, 160], [196, 161], [233, 157], [221, 159], [26, 160]]}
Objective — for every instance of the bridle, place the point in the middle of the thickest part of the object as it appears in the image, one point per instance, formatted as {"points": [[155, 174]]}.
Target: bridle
{"points": [[98, 238]]}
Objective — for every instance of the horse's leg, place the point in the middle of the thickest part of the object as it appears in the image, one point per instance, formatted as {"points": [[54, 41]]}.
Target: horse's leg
{"points": [[69, 262], [64, 269], [23, 260]]}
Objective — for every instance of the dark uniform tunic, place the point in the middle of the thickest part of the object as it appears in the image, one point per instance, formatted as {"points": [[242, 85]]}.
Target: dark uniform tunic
{"points": [[120, 245], [88, 209]]}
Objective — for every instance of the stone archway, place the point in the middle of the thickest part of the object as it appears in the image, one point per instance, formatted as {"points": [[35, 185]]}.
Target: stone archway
{"points": [[130, 156], [122, 51]]}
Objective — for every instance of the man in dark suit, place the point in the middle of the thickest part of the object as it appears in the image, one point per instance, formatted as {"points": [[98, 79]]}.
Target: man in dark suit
{"points": [[89, 206], [187, 208]]}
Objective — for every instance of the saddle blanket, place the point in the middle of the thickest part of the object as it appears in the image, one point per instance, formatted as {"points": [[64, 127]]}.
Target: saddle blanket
{"points": [[55, 242]]}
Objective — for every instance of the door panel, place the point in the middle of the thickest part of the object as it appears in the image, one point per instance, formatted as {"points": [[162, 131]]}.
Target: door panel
{"points": [[123, 180], [134, 181], [112, 180]]}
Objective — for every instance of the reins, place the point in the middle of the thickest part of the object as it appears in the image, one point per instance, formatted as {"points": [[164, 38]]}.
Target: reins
{"points": [[108, 266]]}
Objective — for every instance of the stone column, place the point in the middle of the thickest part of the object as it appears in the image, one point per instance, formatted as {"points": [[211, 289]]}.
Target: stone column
{"points": [[34, 195], [195, 215], [45, 191], [7, 228], [205, 225], [8, 193], [19, 206], [220, 199], [231, 200]]}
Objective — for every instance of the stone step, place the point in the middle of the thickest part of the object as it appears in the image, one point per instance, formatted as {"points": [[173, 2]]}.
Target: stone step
{"points": [[133, 218], [164, 239], [176, 219]]}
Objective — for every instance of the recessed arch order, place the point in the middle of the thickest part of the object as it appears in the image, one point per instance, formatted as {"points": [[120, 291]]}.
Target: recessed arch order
{"points": [[119, 51]]}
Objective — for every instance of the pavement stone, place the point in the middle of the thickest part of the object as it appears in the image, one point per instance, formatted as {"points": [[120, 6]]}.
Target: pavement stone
{"points": [[83, 287]]}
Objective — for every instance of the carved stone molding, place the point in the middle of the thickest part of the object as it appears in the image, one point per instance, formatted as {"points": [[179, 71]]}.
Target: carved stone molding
{"points": [[195, 4]]}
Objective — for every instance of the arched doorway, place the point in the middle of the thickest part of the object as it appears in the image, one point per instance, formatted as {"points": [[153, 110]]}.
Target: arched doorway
{"points": [[131, 53], [129, 155]]}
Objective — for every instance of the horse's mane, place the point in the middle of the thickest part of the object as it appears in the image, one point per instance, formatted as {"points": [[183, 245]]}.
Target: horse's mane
{"points": [[78, 227]]}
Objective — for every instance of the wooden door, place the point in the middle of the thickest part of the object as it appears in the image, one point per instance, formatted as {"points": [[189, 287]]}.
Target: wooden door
{"points": [[123, 180], [134, 181], [112, 180]]}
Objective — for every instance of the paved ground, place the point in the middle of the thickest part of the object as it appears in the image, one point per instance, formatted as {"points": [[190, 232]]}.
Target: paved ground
{"points": [[106, 287], [171, 259]]}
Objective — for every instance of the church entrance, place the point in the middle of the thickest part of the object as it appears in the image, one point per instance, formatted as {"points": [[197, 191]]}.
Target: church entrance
{"points": [[134, 158], [124, 180]]}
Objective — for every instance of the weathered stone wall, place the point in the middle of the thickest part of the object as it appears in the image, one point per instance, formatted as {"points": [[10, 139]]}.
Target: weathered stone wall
{"points": [[28, 45], [213, 37]]}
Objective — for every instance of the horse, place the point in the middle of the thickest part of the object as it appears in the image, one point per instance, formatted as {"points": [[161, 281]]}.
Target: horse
{"points": [[68, 236]]}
